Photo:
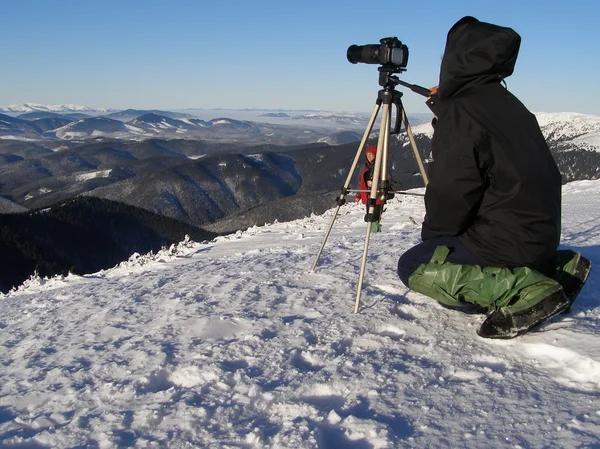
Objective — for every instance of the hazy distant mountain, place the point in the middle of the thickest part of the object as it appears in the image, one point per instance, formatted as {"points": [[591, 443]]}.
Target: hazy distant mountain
{"points": [[342, 137], [151, 125], [93, 127], [352, 119], [50, 123], [276, 114], [39, 115], [17, 128], [146, 124], [332, 117], [62, 108], [158, 124], [131, 114]]}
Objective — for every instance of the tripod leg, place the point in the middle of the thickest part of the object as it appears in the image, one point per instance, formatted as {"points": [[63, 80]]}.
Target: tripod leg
{"points": [[341, 199], [382, 149], [314, 266], [361, 276], [413, 144]]}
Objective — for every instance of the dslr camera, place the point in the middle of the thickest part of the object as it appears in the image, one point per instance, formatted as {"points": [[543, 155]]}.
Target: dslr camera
{"points": [[390, 53]]}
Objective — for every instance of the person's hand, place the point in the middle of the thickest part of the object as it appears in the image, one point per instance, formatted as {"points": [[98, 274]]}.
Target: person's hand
{"points": [[369, 183], [432, 103]]}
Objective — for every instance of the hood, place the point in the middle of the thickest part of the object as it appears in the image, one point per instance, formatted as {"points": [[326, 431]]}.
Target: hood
{"points": [[476, 53], [370, 149]]}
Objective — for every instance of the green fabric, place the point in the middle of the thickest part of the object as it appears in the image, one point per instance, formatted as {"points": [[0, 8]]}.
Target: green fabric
{"points": [[375, 226], [491, 287], [564, 265]]}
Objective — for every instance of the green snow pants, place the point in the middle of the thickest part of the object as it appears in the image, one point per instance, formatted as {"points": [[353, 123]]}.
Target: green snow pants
{"points": [[490, 287]]}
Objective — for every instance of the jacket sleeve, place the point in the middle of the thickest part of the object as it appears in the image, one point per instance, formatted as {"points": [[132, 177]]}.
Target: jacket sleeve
{"points": [[456, 178], [363, 186]]}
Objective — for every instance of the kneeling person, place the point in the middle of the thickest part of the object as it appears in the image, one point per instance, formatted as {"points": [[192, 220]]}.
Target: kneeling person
{"points": [[493, 202]]}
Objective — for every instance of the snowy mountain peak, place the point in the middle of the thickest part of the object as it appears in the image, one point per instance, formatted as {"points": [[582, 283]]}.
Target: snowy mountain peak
{"points": [[571, 123], [564, 127], [63, 108]]}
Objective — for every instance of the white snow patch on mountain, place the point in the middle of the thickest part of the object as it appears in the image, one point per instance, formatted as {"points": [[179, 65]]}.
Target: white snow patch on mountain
{"points": [[93, 174], [24, 139], [135, 129], [571, 126], [590, 141], [423, 129]]}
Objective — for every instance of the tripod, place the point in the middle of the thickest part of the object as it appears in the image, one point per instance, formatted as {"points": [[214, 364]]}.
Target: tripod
{"points": [[380, 187]]}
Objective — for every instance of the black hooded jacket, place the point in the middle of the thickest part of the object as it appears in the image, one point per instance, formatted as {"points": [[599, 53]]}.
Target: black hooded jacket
{"points": [[493, 180]]}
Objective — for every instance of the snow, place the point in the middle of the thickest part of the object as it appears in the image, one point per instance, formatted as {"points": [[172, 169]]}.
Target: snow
{"points": [[581, 129], [590, 142], [135, 129], [164, 125], [93, 174], [193, 123], [586, 121], [72, 135], [235, 343], [422, 128], [25, 139], [35, 107], [255, 157]]}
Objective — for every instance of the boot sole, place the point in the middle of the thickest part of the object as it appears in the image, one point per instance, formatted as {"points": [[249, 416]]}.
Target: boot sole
{"points": [[506, 326]]}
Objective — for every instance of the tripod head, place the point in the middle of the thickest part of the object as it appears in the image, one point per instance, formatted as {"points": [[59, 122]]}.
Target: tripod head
{"points": [[386, 77], [389, 94]]}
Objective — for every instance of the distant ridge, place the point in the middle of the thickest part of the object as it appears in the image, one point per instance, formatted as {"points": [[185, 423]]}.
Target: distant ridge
{"points": [[9, 207], [62, 108]]}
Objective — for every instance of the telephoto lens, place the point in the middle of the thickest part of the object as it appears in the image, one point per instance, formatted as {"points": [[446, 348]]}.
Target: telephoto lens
{"points": [[366, 54]]}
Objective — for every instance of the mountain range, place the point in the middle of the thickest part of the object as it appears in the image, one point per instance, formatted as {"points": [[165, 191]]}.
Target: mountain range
{"points": [[61, 108], [241, 174], [141, 125], [202, 181]]}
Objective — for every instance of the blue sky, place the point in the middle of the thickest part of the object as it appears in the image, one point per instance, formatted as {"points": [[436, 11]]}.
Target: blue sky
{"points": [[285, 54]]}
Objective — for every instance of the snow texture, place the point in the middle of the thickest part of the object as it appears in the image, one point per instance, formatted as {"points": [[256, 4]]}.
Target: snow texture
{"points": [[235, 343]]}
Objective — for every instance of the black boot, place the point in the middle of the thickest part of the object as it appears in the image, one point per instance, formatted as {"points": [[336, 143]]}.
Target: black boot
{"points": [[573, 283], [502, 323]]}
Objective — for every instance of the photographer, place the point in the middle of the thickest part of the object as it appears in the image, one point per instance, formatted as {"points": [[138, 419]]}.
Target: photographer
{"points": [[493, 202]]}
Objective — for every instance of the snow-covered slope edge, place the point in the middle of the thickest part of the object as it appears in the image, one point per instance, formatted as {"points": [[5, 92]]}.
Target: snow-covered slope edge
{"points": [[234, 343], [581, 131]]}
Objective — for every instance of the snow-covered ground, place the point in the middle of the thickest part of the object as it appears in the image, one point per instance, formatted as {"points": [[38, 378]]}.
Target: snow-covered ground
{"points": [[234, 343]]}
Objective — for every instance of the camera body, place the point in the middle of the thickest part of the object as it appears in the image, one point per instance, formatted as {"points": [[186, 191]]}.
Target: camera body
{"points": [[391, 53]]}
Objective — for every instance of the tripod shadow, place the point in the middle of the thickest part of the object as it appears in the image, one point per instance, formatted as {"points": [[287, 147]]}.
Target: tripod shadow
{"points": [[374, 295]]}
